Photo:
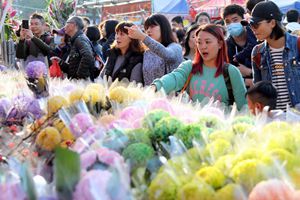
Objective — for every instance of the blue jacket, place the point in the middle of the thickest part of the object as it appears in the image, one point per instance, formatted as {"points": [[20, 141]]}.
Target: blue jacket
{"points": [[243, 55], [291, 60]]}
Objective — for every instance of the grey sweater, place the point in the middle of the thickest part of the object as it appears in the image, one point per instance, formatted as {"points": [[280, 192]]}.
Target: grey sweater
{"points": [[160, 60]]}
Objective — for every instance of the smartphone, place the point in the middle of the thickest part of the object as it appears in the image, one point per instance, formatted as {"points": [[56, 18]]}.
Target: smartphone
{"points": [[25, 24]]}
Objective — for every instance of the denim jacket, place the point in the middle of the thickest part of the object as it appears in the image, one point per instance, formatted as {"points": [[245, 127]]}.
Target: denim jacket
{"points": [[291, 62]]}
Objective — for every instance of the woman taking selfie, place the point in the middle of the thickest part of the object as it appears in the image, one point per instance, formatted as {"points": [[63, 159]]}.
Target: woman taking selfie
{"points": [[163, 54], [205, 76], [125, 57]]}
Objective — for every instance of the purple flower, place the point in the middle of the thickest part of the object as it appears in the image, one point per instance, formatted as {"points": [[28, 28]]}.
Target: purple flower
{"points": [[36, 69], [5, 104], [2, 68], [35, 109]]}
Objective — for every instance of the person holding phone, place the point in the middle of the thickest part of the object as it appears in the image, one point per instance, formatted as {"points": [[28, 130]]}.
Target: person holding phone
{"points": [[34, 42]]}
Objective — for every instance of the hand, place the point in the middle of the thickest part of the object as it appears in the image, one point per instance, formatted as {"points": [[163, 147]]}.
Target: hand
{"points": [[153, 88], [135, 32], [245, 71], [29, 34], [55, 58], [22, 34]]}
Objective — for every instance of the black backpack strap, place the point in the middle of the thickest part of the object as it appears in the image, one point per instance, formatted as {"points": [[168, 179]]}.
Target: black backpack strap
{"points": [[228, 84]]}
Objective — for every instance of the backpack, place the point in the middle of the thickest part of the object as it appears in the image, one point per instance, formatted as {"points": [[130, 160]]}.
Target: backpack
{"points": [[257, 58], [227, 82]]}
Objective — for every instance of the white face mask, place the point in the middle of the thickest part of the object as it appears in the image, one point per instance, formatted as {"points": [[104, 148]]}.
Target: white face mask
{"points": [[58, 39]]}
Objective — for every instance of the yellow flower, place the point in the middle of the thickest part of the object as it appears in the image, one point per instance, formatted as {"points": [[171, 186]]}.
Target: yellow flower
{"points": [[48, 138], [66, 134], [55, 103], [77, 95]]}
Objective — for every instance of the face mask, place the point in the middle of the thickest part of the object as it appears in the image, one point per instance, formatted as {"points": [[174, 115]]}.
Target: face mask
{"points": [[235, 29], [57, 39]]}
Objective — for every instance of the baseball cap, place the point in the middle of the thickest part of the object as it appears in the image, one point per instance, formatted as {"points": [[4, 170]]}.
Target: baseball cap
{"points": [[59, 31], [265, 10]]}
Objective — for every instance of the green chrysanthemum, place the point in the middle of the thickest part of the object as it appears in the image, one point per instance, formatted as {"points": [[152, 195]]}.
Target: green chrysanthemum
{"points": [[138, 135], [153, 117], [138, 154], [164, 128], [189, 133]]}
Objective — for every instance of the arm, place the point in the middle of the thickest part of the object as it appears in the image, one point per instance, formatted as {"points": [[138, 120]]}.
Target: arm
{"points": [[242, 56], [175, 80], [44, 47], [21, 50], [238, 86], [168, 53], [87, 58], [137, 73], [255, 70]]}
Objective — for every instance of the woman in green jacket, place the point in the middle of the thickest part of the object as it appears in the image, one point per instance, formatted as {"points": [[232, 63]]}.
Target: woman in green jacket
{"points": [[204, 76]]}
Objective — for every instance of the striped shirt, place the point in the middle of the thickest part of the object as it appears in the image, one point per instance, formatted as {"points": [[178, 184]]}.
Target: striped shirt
{"points": [[278, 78]]}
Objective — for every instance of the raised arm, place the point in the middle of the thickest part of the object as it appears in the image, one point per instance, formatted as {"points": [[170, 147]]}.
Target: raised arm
{"points": [[175, 80]]}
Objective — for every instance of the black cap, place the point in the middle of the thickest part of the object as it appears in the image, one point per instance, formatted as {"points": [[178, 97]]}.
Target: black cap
{"points": [[265, 10]]}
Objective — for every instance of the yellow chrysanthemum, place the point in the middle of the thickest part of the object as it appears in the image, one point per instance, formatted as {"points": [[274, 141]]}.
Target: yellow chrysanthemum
{"points": [[48, 138]]}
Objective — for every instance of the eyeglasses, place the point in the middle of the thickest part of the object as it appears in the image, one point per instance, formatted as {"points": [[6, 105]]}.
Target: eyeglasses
{"points": [[70, 22], [255, 25]]}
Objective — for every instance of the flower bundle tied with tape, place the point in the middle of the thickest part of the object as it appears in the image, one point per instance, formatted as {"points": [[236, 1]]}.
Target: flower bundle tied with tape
{"points": [[37, 80]]}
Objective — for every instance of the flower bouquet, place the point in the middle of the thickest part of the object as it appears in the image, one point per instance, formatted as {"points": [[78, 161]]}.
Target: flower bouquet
{"points": [[37, 78]]}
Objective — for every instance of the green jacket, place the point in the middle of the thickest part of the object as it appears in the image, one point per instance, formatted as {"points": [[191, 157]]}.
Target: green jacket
{"points": [[204, 85]]}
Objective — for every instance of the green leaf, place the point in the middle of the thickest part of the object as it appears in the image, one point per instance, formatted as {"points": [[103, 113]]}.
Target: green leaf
{"points": [[67, 172], [27, 182]]}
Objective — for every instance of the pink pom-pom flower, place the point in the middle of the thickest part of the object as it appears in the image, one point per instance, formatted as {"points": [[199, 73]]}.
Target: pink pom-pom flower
{"points": [[272, 190]]}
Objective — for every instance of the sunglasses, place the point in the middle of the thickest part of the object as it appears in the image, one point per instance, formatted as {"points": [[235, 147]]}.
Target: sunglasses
{"points": [[255, 25]]}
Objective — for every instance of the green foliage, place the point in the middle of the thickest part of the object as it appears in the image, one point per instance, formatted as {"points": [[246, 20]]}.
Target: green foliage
{"points": [[67, 172]]}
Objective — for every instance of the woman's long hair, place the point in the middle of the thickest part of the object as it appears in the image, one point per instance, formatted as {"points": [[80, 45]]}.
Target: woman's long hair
{"points": [[222, 56], [165, 28], [134, 45], [187, 38]]}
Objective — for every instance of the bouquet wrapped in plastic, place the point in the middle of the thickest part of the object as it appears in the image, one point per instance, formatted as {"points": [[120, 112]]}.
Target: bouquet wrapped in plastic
{"points": [[37, 78]]}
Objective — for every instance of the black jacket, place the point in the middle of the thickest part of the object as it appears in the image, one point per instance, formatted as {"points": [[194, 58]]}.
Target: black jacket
{"points": [[43, 45], [130, 61], [242, 54], [106, 46], [81, 59]]}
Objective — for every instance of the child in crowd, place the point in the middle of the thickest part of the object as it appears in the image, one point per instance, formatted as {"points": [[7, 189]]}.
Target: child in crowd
{"points": [[262, 97]]}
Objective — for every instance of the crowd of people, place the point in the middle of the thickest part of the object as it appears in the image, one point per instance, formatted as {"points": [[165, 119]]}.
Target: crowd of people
{"points": [[253, 61]]}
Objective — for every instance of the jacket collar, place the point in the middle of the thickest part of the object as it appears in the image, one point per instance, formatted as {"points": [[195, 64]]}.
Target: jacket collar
{"points": [[75, 36]]}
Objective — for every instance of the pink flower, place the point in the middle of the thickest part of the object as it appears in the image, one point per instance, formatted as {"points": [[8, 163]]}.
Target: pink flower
{"points": [[104, 155], [80, 124], [272, 190], [93, 186], [163, 104], [13, 13]]}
